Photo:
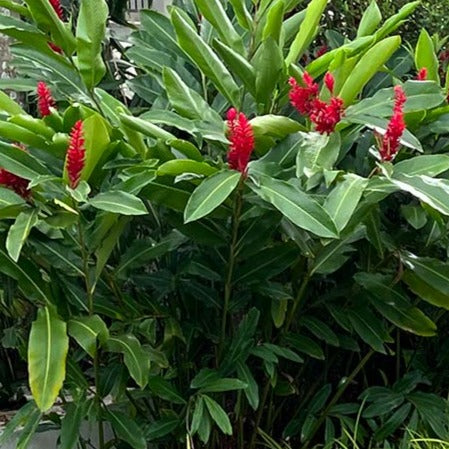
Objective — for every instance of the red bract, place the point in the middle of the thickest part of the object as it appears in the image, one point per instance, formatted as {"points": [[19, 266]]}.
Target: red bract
{"points": [[302, 97], [321, 51], [392, 138], [45, 100], [14, 182], [422, 74], [76, 155], [324, 115], [241, 136], [55, 48], [58, 8]]}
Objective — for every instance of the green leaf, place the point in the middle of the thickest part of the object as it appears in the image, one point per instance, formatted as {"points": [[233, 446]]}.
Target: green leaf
{"points": [[427, 164], [370, 20], [127, 429], [9, 106], [20, 162], [369, 328], [252, 390], [46, 18], [220, 385], [29, 430], [268, 63], [244, 18], [428, 278], [425, 56], [18, 420], [320, 329], [393, 422], [9, 198], [273, 24], [210, 194], [370, 63], [307, 31], [162, 428], [305, 345], [47, 351], [277, 126], [395, 307], [215, 14], [136, 358], [180, 166], [198, 414], [343, 200], [86, 331], [15, 7], [186, 101], [19, 232], [90, 32], [218, 415], [203, 57], [297, 206], [119, 202], [165, 390], [434, 192], [71, 424], [237, 64]]}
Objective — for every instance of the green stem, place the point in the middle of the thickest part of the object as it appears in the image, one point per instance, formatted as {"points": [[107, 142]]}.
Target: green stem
{"points": [[299, 297], [90, 303], [238, 203], [266, 390], [337, 396]]}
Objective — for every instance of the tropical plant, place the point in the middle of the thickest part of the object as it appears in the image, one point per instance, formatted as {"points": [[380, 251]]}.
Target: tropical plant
{"points": [[256, 256]]}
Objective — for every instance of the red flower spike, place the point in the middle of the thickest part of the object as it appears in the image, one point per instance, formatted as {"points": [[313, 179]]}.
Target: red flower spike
{"points": [[76, 155], [58, 8], [329, 81], [45, 100], [326, 116], [422, 74], [392, 139], [242, 140], [301, 97]]}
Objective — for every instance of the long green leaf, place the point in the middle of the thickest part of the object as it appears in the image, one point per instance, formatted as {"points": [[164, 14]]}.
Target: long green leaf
{"points": [[19, 232], [203, 56], [90, 31], [307, 31], [127, 429], [218, 415], [297, 206], [86, 331], [210, 194], [370, 63], [119, 202], [71, 424], [47, 352]]}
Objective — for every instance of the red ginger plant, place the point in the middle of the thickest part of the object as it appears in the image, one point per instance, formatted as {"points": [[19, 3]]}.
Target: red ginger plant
{"points": [[76, 155], [14, 182], [325, 116], [45, 100], [242, 140], [392, 138]]}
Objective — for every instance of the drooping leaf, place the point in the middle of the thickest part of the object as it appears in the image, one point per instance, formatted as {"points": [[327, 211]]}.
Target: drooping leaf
{"points": [[47, 350], [19, 232], [119, 202], [127, 429], [86, 331]]}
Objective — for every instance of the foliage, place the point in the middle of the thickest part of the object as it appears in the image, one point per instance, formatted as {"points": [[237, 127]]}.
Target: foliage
{"points": [[295, 300]]}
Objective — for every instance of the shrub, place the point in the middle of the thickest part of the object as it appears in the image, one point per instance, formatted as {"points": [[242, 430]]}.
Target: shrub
{"points": [[240, 260]]}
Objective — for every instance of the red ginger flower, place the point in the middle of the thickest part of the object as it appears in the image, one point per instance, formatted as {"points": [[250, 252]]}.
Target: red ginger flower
{"points": [[302, 97], [45, 99], [321, 50], [422, 74], [242, 140], [392, 138], [76, 154], [58, 8], [324, 115]]}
